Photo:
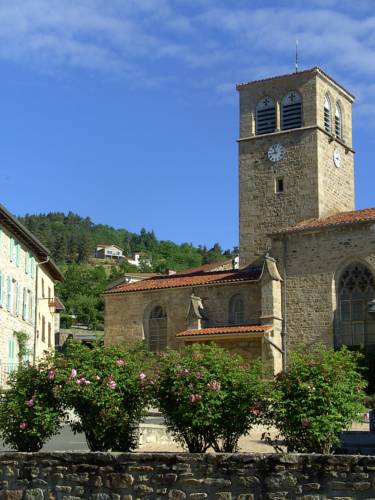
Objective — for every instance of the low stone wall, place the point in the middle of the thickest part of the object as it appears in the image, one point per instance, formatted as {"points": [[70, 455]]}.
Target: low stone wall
{"points": [[101, 476]]}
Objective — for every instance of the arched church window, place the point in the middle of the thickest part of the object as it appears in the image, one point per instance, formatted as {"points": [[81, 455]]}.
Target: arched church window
{"points": [[265, 116], [338, 121], [291, 111], [236, 310], [355, 325], [157, 330], [327, 114]]}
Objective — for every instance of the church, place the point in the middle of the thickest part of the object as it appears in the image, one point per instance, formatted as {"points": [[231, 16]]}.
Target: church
{"points": [[307, 257]]}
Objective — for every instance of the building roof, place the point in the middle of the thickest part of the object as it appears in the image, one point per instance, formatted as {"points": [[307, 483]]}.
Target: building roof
{"points": [[225, 330], [108, 245], [30, 241], [315, 69], [366, 215], [190, 279], [212, 266]]}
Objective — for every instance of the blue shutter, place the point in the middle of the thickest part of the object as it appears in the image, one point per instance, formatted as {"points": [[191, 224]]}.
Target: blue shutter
{"points": [[18, 298], [18, 252]]}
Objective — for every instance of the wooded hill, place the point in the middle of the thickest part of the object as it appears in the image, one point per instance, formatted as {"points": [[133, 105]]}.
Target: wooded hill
{"points": [[73, 239]]}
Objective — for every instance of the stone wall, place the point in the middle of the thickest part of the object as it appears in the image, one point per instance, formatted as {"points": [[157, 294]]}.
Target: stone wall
{"points": [[126, 314], [314, 263], [100, 476]]}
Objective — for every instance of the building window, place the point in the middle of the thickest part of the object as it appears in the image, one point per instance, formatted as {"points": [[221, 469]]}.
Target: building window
{"points": [[279, 185], [327, 114], [355, 325], [157, 330], [236, 310], [291, 111], [265, 116], [49, 334], [43, 289], [338, 121]]}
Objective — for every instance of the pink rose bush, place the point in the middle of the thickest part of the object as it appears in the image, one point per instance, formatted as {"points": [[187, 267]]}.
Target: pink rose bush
{"points": [[103, 387], [30, 414], [204, 393]]}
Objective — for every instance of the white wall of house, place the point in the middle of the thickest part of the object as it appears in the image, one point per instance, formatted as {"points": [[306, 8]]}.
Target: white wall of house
{"points": [[19, 303]]}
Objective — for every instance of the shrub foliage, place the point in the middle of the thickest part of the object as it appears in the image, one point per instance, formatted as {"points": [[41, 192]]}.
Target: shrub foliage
{"points": [[208, 397], [30, 412], [107, 387], [319, 396]]}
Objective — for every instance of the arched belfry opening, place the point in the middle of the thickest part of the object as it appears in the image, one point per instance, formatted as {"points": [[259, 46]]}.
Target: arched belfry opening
{"points": [[355, 316]]}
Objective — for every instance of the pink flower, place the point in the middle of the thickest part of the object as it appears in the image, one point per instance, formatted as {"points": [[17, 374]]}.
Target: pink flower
{"points": [[73, 373], [254, 410], [142, 376], [51, 374], [214, 385], [111, 383], [194, 397], [120, 362], [198, 375], [23, 425], [83, 381], [30, 402]]}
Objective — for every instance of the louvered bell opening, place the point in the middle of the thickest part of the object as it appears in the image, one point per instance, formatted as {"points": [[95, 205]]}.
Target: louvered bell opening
{"points": [[327, 120], [266, 121], [292, 116], [338, 130]]}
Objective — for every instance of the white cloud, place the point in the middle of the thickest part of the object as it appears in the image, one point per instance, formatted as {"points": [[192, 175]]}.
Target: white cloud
{"points": [[213, 41]]}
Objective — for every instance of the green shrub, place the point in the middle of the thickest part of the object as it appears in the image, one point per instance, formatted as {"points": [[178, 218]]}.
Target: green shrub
{"points": [[319, 396], [208, 397], [108, 389], [30, 413]]}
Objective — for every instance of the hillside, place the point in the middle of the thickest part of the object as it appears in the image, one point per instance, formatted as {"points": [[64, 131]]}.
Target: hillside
{"points": [[72, 240]]}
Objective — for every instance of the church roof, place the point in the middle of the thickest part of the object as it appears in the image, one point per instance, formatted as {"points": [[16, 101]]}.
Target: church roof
{"points": [[225, 330], [187, 279], [366, 215]]}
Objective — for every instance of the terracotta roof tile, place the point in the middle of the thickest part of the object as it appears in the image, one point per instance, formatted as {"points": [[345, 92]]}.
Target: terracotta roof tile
{"points": [[225, 330], [340, 219], [190, 279]]}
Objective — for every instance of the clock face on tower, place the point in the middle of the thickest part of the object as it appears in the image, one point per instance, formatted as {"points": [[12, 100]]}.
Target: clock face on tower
{"points": [[337, 158], [276, 152]]}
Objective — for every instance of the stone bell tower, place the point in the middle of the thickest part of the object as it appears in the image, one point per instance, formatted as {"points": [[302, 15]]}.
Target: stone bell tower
{"points": [[295, 154]]}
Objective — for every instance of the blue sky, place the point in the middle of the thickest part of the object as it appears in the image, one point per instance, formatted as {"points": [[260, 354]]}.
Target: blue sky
{"points": [[126, 110]]}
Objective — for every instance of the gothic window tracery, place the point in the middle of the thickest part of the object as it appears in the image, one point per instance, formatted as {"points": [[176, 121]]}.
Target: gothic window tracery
{"points": [[356, 326], [265, 116], [291, 111], [157, 330], [236, 310]]}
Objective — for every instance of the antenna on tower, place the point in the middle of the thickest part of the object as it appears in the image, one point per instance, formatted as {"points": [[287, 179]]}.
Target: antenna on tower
{"points": [[296, 56]]}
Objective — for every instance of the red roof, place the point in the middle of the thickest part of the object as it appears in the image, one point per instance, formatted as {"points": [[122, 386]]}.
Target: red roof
{"points": [[212, 266], [340, 219], [225, 330], [190, 279]]}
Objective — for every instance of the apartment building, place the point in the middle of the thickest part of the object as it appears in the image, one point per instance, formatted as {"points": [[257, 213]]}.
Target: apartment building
{"points": [[27, 297]]}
